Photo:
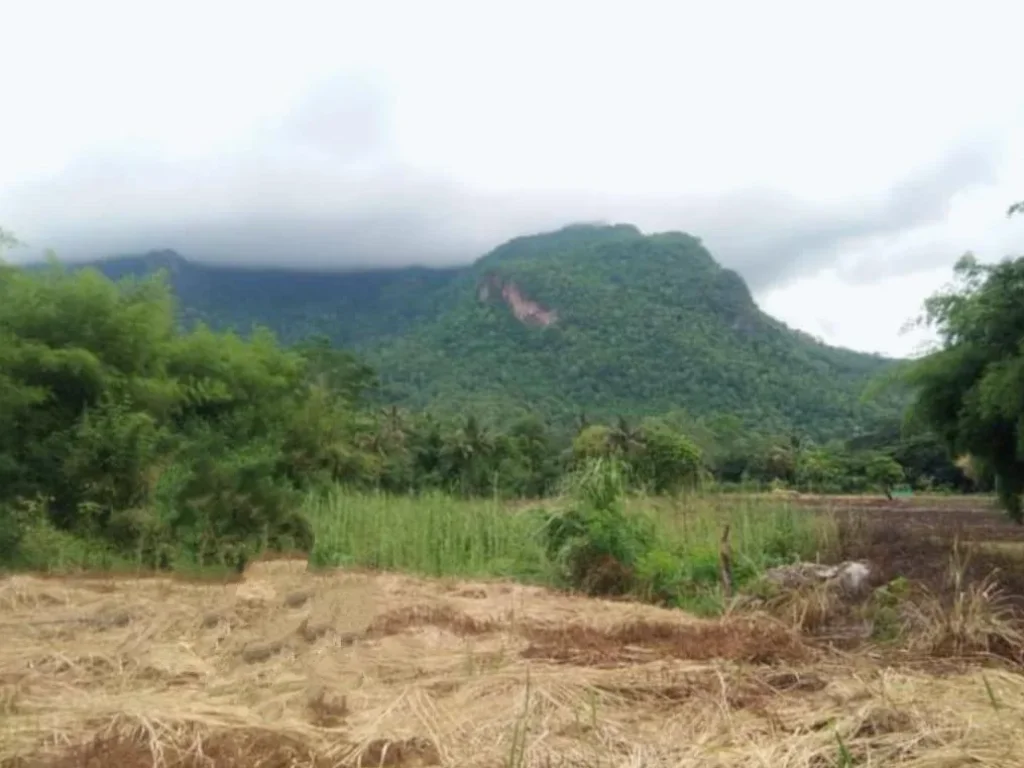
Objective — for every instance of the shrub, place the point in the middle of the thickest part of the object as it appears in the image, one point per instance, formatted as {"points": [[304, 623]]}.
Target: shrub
{"points": [[595, 543]]}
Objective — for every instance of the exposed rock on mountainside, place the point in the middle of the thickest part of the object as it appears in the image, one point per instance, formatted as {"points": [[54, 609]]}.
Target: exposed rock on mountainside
{"points": [[525, 310]]}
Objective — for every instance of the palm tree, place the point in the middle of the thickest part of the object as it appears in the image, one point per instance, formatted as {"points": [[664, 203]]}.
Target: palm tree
{"points": [[468, 452], [624, 438], [394, 427]]}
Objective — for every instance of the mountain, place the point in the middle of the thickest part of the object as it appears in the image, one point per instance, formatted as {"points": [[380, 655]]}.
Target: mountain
{"points": [[601, 320], [354, 309]]}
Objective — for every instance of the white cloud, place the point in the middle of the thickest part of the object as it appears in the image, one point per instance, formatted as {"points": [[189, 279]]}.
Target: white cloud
{"points": [[838, 157], [870, 317]]}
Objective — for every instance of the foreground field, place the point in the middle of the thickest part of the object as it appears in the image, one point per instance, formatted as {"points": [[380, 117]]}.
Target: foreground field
{"points": [[290, 668]]}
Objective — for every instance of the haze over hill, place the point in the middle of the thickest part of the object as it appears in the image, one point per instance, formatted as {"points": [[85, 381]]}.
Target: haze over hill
{"points": [[587, 319]]}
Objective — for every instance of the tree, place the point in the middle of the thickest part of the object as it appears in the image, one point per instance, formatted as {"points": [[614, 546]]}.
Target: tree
{"points": [[531, 466], [884, 472], [624, 439], [468, 457], [820, 471], [118, 425], [667, 461], [971, 390], [337, 369], [593, 442]]}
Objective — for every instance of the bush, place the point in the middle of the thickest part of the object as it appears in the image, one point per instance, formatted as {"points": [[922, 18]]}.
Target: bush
{"points": [[595, 543], [17, 520], [233, 504], [660, 577], [156, 443]]}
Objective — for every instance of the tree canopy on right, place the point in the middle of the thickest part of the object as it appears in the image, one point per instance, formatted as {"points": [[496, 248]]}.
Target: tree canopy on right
{"points": [[971, 390]]}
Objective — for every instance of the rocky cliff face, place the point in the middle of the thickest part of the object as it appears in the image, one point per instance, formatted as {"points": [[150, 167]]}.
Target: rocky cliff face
{"points": [[525, 309]]}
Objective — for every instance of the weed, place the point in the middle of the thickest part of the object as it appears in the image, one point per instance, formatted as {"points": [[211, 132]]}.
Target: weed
{"points": [[845, 759], [517, 749], [976, 618], [885, 610], [597, 539]]}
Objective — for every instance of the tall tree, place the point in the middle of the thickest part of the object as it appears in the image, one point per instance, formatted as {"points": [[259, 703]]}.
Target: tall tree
{"points": [[971, 390]]}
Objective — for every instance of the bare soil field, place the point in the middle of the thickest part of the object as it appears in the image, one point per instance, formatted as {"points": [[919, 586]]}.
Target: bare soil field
{"points": [[289, 668], [914, 538]]}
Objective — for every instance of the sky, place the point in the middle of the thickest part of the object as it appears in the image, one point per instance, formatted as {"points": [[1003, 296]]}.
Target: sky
{"points": [[839, 157]]}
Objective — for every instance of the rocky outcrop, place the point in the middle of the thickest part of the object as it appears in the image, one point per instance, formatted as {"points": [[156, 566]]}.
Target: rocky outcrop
{"points": [[525, 309]]}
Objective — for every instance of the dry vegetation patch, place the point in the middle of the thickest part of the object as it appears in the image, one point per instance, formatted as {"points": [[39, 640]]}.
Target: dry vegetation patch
{"points": [[390, 670]]}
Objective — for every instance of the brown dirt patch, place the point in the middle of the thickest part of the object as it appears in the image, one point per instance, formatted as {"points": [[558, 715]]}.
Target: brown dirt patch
{"points": [[907, 539], [441, 616], [738, 692], [755, 642], [223, 750]]}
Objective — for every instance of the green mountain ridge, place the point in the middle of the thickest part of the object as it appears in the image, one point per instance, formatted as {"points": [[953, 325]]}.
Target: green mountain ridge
{"points": [[588, 319]]}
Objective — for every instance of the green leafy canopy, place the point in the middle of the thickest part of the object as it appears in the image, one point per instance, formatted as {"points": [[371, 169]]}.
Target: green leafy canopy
{"points": [[971, 389]]}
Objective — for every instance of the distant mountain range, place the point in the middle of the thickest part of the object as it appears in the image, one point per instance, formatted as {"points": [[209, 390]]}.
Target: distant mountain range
{"points": [[589, 319]]}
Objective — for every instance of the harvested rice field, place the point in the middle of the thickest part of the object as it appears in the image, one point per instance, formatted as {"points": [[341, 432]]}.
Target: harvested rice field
{"points": [[290, 668]]}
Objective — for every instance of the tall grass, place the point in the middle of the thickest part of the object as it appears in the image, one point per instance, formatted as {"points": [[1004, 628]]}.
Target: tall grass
{"points": [[683, 568], [432, 534], [437, 535], [763, 533]]}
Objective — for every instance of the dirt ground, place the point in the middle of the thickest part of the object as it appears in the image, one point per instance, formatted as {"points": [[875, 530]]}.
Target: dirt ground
{"points": [[289, 668], [915, 538]]}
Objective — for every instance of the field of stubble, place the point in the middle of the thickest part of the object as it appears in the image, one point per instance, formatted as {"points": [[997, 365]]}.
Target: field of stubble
{"points": [[290, 668]]}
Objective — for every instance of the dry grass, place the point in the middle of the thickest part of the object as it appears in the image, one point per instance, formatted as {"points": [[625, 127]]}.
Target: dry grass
{"points": [[391, 670], [972, 618]]}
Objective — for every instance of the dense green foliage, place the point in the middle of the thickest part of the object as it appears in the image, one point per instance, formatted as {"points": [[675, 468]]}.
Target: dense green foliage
{"points": [[353, 309], [120, 427], [127, 436], [971, 390], [645, 324]]}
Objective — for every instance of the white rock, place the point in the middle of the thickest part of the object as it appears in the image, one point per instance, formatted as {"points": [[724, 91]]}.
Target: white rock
{"points": [[851, 577], [854, 577]]}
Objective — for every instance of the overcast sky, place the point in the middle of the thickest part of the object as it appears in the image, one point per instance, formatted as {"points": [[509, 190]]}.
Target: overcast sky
{"points": [[840, 157]]}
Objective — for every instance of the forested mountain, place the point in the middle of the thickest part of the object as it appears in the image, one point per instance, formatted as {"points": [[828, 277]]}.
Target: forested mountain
{"points": [[589, 320]]}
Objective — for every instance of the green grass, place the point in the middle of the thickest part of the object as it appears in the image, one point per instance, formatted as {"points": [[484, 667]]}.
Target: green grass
{"points": [[431, 534], [437, 535], [45, 549], [683, 569], [763, 533]]}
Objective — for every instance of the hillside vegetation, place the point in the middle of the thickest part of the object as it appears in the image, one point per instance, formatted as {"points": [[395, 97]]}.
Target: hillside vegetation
{"points": [[624, 325]]}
